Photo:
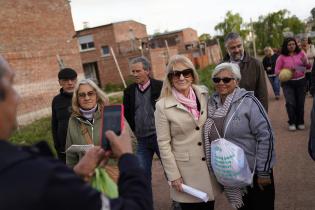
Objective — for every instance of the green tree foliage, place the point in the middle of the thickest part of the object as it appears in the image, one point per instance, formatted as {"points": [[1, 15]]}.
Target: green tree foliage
{"points": [[269, 29], [204, 37], [232, 22]]}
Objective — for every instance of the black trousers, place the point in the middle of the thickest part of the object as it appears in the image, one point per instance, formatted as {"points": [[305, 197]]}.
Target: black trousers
{"points": [[257, 199], [294, 93], [197, 206]]}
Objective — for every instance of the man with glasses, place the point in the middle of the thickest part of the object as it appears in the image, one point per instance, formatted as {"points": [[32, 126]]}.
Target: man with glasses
{"points": [[139, 103], [252, 70], [61, 110]]}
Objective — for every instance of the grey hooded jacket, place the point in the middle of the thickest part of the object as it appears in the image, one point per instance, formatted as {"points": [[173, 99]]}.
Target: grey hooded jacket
{"points": [[250, 129]]}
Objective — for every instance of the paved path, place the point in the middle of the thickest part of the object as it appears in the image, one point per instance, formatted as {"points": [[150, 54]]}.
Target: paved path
{"points": [[294, 171]]}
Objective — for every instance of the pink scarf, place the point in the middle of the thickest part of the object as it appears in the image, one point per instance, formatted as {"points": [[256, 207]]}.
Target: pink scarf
{"points": [[189, 102]]}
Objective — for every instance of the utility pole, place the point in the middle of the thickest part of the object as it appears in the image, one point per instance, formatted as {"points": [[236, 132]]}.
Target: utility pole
{"points": [[253, 37]]}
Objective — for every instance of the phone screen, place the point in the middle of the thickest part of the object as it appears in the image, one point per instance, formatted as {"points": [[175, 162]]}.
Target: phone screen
{"points": [[112, 119]]}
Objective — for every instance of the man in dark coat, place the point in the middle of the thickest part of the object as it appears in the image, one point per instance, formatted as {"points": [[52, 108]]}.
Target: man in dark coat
{"points": [[139, 102], [31, 179], [61, 110], [252, 70]]}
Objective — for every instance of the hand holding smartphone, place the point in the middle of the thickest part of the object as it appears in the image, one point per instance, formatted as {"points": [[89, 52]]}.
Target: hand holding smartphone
{"points": [[112, 119]]}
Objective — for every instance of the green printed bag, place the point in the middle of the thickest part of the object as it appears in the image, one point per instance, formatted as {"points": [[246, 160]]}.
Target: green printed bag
{"points": [[103, 183]]}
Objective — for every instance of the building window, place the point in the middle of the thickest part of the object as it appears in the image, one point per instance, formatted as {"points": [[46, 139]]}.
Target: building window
{"points": [[105, 50], [86, 42]]}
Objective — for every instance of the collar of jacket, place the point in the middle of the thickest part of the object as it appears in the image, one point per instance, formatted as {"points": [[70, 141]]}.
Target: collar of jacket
{"points": [[66, 94], [246, 58], [96, 116], [171, 101], [240, 93], [10, 154]]}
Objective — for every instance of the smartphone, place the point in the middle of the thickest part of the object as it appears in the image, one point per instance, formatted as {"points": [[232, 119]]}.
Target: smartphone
{"points": [[112, 119]]}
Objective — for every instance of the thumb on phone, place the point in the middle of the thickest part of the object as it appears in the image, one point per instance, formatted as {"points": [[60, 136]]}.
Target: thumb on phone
{"points": [[119, 144]]}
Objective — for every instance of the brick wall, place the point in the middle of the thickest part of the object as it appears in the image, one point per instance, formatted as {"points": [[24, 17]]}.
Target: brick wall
{"points": [[125, 30], [32, 34]]}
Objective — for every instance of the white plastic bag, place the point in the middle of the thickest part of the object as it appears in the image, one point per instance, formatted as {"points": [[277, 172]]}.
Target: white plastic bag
{"points": [[229, 164]]}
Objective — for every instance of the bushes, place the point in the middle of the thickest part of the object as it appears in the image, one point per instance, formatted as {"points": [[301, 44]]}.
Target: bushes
{"points": [[205, 77]]}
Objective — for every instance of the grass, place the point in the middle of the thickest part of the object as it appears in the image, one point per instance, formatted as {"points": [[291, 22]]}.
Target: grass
{"points": [[41, 129], [34, 132]]}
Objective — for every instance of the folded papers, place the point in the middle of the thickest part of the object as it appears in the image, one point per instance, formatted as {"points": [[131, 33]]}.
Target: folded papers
{"points": [[194, 192]]}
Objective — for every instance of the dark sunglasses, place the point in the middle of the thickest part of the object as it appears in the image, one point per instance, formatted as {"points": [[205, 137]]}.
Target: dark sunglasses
{"points": [[186, 73], [224, 79], [89, 94]]}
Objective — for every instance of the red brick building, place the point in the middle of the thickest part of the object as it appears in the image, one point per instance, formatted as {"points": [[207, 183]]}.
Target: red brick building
{"points": [[128, 39], [34, 36]]}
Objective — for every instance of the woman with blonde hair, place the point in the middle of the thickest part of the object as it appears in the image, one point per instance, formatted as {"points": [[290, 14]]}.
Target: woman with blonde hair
{"points": [[269, 63], [85, 122], [180, 114]]}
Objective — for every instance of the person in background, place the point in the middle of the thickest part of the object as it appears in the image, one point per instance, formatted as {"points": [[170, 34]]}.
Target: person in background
{"points": [[269, 63], [61, 110], [139, 103], [309, 50], [32, 179], [179, 116], [236, 115], [294, 59], [252, 71]]}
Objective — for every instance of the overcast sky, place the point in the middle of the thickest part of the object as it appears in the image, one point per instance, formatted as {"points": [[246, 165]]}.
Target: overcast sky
{"points": [[161, 15]]}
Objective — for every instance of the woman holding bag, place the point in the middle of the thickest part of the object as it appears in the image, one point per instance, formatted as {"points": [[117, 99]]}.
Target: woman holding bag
{"points": [[236, 115]]}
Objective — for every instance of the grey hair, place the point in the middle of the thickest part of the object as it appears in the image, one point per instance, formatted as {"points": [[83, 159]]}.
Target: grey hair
{"points": [[176, 59], [102, 98], [233, 68], [145, 62], [231, 36]]}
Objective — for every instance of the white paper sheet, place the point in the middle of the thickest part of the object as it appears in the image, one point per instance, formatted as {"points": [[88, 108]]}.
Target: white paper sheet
{"points": [[79, 148]]}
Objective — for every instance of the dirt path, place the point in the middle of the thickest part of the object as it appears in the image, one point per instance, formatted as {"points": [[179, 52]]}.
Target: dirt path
{"points": [[294, 171]]}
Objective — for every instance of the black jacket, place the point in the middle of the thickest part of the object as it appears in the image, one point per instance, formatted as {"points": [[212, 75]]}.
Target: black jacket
{"points": [[61, 111], [270, 62], [312, 88], [31, 181], [129, 99]]}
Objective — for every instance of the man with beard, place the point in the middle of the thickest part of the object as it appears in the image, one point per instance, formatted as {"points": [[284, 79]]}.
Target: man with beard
{"points": [[61, 110], [252, 70]]}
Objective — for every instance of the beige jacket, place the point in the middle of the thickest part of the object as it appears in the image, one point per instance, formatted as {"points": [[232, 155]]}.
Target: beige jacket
{"points": [[181, 146]]}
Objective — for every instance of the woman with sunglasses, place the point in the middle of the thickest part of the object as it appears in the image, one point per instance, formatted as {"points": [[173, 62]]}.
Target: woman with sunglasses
{"points": [[180, 114], [85, 122], [237, 115]]}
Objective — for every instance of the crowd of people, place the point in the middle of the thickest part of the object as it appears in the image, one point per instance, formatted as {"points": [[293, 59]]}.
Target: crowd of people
{"points": [[175, 119]]}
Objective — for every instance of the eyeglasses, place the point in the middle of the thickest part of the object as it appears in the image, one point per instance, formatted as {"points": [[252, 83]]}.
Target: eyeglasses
{"points": [[225, 80], [186, 73], [90, 94]]}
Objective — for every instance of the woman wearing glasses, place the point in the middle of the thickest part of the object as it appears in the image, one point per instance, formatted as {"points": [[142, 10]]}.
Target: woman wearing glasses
{"points": [[85, 122], [236, 115], [180, 114]]}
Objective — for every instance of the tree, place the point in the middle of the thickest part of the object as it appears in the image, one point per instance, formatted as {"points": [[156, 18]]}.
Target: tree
{"points": [[269, 29], [204, 37], [231, 23]]}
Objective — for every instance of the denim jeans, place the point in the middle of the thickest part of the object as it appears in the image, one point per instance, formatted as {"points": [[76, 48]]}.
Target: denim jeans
{"points": [[275, 83], [146, 148], [294, 93]]}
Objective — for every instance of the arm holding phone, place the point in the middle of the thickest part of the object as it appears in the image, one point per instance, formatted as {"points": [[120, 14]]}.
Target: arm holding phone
{"points": [[134, 192]]}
